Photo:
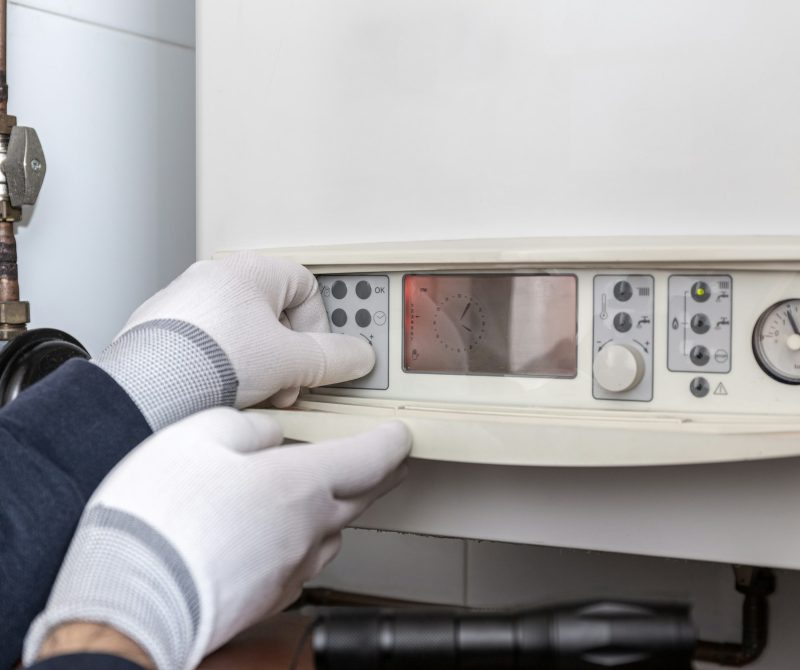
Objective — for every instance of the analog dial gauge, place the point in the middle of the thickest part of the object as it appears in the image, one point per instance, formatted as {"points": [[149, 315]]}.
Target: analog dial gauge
{"points": [[776, 341]]}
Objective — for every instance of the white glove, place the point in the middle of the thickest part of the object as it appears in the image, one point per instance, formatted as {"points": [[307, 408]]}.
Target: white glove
{"points": [[198, 533], [231, 332]]}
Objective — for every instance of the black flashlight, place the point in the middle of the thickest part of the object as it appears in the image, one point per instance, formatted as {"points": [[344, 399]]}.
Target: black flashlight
{"points": [[590, 635]]}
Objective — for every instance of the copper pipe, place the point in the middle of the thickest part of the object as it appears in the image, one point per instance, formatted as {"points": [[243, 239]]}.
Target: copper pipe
{"points": [[3, 41], [757, 584], [14, 313], [9, 279]]}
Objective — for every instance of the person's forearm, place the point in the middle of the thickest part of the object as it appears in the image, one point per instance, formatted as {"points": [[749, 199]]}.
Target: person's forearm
{"points": [[78, 637], [59, 439]]}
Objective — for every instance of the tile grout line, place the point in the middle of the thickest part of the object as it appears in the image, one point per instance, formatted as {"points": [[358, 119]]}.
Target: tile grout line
{"points": [[97, 24]]}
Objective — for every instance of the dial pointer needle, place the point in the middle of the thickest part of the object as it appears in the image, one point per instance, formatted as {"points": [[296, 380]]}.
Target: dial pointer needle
{"points": [[793, 322], [466, 309]]}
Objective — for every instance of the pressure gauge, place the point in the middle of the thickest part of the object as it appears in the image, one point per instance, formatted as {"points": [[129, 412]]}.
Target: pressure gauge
{"points": [[776, 341]]}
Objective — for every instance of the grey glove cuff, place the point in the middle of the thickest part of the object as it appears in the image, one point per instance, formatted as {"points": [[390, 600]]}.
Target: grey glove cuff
{"points": [[170, 369], [122, 573]]}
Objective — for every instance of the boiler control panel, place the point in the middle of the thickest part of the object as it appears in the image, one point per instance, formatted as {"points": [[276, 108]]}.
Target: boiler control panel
{"points": [[568, 353], [520, 330]]}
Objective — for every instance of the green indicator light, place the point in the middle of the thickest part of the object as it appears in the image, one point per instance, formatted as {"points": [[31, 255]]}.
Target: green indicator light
{"points": [[701, 291]]}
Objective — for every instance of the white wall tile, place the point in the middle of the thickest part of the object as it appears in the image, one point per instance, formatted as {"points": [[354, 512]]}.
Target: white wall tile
{"points": [[168, 20], [408, 567], [116, 216]]}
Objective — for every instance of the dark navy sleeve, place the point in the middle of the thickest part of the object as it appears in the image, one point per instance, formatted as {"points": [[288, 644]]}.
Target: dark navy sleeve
{"points": [[86, 662], [58, 440]]}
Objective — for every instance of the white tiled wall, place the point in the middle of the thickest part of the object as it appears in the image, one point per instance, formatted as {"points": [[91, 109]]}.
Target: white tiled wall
{"points": [[109, 86], [403, 567]]}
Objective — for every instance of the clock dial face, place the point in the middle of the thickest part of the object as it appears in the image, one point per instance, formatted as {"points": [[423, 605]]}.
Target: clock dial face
{"points": [[459, 323], [490, 324], [776, 341]]}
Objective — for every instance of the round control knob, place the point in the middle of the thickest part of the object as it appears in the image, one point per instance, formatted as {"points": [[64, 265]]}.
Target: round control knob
{"points": [[623, 291], [618, 368], [623, 322], [700, 355], [700, 324]]}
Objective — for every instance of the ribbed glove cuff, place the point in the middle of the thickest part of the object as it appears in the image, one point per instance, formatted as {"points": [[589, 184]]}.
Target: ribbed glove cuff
{"points": [[170, 369], [122, 573]]}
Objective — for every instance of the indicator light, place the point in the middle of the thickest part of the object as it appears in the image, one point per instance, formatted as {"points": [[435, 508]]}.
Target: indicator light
{"points": [[700, 291]]}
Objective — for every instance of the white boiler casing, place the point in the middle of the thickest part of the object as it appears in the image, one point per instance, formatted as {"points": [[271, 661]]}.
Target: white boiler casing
{"points": [[328, 132]]}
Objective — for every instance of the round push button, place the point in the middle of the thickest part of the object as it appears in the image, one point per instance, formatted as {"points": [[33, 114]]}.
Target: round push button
{"points": [[363, 318], [699, 387], [363, 289], [700, 291], [699, 355], [339, 317], [339, 289], [700, 323]]}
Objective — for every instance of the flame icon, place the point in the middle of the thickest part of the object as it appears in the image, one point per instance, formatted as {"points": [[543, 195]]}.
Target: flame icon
{"points": [[675, 324]]}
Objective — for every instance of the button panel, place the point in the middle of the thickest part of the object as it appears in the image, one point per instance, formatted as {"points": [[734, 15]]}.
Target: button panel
{"points": [[699, 316], [359, 305], [623, 337]]}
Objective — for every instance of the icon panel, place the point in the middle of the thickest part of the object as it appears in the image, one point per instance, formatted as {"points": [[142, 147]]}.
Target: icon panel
{"points": [[358, 305]]}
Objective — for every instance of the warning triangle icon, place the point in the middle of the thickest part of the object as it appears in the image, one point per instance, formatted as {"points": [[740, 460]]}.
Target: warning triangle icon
{"points": [[720, 390]]}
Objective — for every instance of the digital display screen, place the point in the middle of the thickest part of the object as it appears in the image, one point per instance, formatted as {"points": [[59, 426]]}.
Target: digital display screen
{"points": [[491, 324]]}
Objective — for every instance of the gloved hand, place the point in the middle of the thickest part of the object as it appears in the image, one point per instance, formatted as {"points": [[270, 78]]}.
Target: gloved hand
{"points": [[200, 531], [231, 332]]}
